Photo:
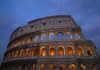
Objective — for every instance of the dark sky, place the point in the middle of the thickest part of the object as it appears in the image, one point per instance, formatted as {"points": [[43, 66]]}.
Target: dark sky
{"points": [[15, 13]]}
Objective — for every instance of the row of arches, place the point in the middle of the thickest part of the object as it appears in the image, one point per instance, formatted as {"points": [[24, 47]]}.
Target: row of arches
{"points": [[69, 67], [61, 51], [52, 66], [44, 37], [51, 51]]}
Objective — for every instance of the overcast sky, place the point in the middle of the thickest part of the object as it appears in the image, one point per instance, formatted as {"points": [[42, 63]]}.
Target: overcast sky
{"points": [[15, 13]]}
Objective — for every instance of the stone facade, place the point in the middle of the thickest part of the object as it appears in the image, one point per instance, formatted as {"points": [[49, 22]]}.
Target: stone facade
{"points": [[50, 43]]}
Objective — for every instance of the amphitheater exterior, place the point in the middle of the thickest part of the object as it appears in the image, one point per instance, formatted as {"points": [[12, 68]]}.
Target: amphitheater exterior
{"points": [[50, 43]]}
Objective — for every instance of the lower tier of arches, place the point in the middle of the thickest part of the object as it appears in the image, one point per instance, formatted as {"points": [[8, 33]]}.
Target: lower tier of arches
{"points": [[51, 65]]}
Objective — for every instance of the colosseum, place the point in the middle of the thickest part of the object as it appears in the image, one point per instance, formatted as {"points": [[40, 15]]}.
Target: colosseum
{"points": [[50, 43]]}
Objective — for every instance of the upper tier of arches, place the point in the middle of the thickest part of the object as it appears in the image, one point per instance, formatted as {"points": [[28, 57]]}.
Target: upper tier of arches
{"points": [[45, 37]]}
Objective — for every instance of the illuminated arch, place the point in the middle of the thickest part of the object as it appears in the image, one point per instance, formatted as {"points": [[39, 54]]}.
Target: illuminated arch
{"points": [[33, 52], [70, 51], [61, 51], [68, 35], [80, 51], [52, 67], [33, 67], [18, 41], [72, 67], [23, 40], [29, 39], [83, 67], [16, 53], [51, 36], [42, 67], [21, 53], [43, 37], [43, 51], [60, 36], [62, 67], [52, 51], [28, 52]]}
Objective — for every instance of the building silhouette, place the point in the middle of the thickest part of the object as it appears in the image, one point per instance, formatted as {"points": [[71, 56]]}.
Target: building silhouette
{"points": [[50, 43]]}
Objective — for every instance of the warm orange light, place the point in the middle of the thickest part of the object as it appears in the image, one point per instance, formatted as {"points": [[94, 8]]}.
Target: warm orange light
{"points": [[70, 51], [61, 51], [43, 51], [83, 67], [52, 51], [72, 67], [80, 51]]}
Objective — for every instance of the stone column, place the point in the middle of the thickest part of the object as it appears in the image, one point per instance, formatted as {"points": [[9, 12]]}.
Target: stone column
{"points": [[55, 34], [66, 50], [64, 35], [88, 66]]}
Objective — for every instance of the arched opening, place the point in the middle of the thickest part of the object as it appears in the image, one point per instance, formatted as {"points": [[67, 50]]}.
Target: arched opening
{"points": [[24, 40], [76, 36], [29, 39], [72, 67], [43, 51], [37, 38], [34, 52], [93, 67], [12, 55], [21, 53], [18, 41], [60, 36], [80, 51], [68, 35], [52, 67], [70, 51], [42, 67], [62, 67], [51, 36], [43, 37], [52, 51], [16, 53], [83, 67], [27, 52], [61, 51], [33, 67], [89, 52]]}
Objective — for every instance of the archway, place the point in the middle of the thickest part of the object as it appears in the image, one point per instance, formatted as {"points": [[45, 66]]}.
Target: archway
{"points": [[43, 37], [43, 51], [52, 51], [76, 36], [83, 67], [21, 53], [62, 67], [61, 51], [51, 36], [60, 36], [80, 51], [42, 67], [70, 51], [28, 52], [72, 67], [68, 35], [89, 52], [52, 67], [93, 67]]}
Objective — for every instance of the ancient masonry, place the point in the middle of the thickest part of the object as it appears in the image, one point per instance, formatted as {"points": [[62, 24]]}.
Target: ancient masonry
{"points": [[50, 43]]}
